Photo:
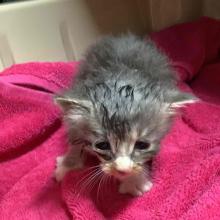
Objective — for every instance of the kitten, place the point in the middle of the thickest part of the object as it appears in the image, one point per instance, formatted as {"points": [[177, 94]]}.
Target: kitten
{"points": [[119, 108]]}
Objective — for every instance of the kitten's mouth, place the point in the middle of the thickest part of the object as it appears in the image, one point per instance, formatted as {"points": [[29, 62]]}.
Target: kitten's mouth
{"points": [[118, 174], [122, 174]]}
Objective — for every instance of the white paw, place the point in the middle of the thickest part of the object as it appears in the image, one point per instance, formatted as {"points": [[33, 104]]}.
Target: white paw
{"points": [[61, 170], [59, 160], [135, 187]]}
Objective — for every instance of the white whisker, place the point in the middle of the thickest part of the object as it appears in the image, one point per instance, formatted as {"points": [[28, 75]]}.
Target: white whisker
{"points": [[86, 177], [99, 186], [89, 181]]}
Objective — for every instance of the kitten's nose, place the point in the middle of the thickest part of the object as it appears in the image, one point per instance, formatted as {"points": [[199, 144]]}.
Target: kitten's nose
{"points": [[123, 165]]}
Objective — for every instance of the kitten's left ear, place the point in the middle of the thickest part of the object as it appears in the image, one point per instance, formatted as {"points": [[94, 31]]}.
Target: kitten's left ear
{"points": [[179, 99], [67, 103]]}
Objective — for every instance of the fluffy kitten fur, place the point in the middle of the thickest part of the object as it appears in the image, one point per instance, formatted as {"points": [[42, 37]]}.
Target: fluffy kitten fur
{"points": [[120, 107]]}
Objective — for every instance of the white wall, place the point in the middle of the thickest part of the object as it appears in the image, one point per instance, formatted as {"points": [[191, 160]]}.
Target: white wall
{"points": [[61, 30]]}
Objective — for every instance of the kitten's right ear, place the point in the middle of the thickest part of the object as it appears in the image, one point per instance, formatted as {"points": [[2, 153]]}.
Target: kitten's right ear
{"points": [[67, 103], [179, 99]]}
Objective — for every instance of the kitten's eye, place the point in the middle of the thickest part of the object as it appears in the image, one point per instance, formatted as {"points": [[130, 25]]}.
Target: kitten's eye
{"points": [[140, 145], [103, 145]]}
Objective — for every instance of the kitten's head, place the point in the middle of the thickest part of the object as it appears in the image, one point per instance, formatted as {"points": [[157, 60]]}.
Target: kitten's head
{"points": [[122, 124]]}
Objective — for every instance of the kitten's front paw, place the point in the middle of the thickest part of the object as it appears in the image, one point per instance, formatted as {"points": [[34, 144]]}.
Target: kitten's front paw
{"points": [[61, 170], [135, 187]]}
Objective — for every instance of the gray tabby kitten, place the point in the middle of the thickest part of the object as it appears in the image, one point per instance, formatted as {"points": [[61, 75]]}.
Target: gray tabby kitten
{"points": [[120, 107]]}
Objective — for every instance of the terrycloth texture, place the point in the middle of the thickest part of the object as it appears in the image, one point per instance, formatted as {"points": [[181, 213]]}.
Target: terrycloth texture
{"points": [[31, 137], [186, 173]]}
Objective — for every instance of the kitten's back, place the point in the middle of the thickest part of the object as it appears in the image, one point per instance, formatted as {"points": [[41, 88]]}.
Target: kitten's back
{"points": [[125, 60]]}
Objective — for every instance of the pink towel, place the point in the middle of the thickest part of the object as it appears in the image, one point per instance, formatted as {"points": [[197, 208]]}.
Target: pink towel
{"points": [[186, 172]]}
